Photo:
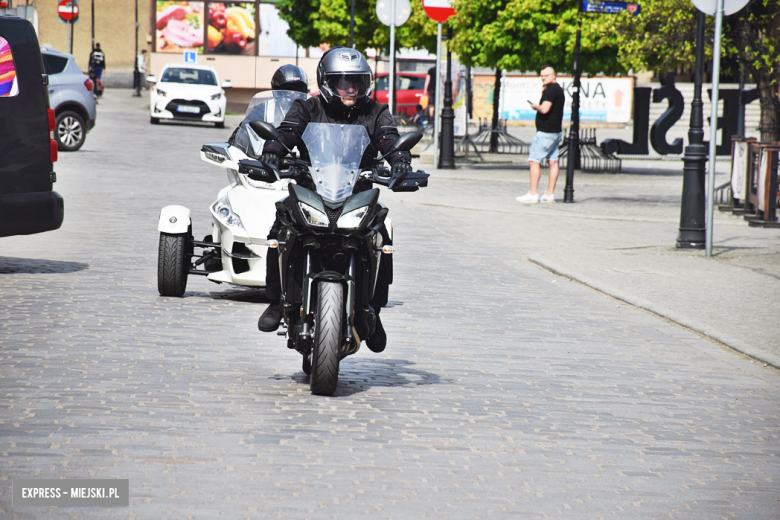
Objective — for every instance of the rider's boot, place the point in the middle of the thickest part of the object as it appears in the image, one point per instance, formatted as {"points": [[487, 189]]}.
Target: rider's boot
{"points": [[270, 319], [378, 339]]}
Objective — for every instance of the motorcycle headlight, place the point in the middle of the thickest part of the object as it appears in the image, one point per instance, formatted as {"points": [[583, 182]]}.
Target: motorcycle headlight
{"points": [[216, 96], [162, 93], [225, 213], [314, 217], [352, 219]]}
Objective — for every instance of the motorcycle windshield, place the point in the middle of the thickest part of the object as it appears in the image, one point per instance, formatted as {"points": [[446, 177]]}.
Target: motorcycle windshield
{"points": [[335, 152], [269, 108], [273, 108]]}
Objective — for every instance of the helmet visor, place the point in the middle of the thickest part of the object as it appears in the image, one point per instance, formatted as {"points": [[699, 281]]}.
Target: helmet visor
{"points": [[349, 85]]}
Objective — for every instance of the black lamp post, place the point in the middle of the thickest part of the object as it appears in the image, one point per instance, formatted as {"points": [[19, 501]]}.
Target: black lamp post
{"points": [[136, 72], [573, 158], [447, 160], [692, 233]]}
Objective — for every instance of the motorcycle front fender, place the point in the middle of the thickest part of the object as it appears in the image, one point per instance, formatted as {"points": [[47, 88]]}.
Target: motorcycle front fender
{"points": [[174, 220]]}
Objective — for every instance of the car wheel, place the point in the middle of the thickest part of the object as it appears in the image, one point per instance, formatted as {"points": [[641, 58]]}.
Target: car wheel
{"points": [[154, 120], [220, 124], [71, 131]]}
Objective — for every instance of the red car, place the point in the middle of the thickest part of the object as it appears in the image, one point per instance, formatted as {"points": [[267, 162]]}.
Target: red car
{"points": [[409, 89]]}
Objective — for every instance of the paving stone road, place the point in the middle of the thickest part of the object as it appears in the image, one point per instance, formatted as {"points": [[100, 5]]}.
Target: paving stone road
{"points": [[505, 391]]}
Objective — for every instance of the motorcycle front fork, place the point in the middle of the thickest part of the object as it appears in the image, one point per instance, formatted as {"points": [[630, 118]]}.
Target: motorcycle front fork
{"points": [[307, 334]]}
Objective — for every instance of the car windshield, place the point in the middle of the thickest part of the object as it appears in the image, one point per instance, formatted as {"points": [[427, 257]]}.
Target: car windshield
{"points": [[401, 83], [335, 152], [189, 76]]}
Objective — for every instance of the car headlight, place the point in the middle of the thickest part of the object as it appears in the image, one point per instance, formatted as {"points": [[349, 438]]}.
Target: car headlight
{"points": [[162, 93], [225, 213], [352, 219], [314, 217], [216, 96]]}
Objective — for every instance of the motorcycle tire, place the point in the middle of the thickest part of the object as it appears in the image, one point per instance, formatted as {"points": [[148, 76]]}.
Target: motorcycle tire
{"points": [[172, 268], [327, 337]]}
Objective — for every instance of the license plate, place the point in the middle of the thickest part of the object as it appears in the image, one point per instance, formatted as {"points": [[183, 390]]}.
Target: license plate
{"points": [[185, 108]]}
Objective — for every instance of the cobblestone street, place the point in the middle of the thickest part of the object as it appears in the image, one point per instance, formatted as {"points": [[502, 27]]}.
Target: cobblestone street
{"points": [[504, 392]]}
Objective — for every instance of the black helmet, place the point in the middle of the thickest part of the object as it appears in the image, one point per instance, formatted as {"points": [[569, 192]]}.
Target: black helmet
{"points": [[290, 77], [343, 70]]}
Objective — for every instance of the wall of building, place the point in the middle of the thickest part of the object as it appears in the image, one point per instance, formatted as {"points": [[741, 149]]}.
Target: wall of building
{"points": [[114, 30]]}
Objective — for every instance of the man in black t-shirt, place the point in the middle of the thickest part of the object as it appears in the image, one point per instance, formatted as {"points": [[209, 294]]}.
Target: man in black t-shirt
{"points": [[549, 114]]}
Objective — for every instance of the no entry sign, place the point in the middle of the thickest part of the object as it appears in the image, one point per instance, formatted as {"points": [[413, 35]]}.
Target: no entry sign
{"points": [[438, 10], [68, 10]]}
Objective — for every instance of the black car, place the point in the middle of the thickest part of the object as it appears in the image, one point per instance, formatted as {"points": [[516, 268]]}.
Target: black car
{"points": [[27, 150]]}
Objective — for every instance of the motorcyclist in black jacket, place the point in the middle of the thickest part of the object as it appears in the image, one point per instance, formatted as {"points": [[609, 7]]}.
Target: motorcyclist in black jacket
{"points": [[345, 81]]}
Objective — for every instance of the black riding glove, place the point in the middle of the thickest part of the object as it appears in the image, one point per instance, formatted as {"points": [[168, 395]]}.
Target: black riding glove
{"points": [[270, 159], [400, 167]]}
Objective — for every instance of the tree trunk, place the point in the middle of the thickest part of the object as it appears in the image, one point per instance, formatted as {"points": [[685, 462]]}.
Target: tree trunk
{"points": [[770, 108], [494, 125]]}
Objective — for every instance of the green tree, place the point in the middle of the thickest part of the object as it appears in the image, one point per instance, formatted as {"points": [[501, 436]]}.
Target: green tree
{"points": [[527, 34], [313, 22], [662, 38]]}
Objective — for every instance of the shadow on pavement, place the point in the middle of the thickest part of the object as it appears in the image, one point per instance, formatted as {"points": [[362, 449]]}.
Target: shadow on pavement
{"points": [[362, 374], [246, 295], [10, 265]]}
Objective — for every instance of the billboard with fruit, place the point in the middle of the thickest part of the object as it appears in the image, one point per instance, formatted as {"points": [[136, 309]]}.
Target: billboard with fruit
{"points": [[232, 28], [180, 26]]}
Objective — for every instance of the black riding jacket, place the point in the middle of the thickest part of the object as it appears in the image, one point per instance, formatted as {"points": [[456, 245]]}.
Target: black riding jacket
{"points": [[375, 117]]}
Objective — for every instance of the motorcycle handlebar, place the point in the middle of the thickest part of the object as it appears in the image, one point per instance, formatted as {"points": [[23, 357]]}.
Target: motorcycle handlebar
{"points": [[290, 167]]}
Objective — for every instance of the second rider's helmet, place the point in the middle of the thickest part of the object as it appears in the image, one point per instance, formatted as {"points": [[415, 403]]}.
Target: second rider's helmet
{"points": [[344, 72], [290, 77]]}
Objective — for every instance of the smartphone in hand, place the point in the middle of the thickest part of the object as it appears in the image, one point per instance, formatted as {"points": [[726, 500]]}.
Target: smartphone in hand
{"points": [[530, 102]]}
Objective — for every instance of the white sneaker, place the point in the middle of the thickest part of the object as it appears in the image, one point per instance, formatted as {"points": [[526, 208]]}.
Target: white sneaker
{"points": [[528, 198], [549, 199]]}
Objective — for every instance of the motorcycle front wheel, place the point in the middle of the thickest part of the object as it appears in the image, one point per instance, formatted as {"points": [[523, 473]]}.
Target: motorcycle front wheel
{"points": [[327, 337], [172, 264]]}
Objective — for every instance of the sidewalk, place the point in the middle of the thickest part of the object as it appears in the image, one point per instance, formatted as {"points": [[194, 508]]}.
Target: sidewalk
{"points": [[619, 237]]}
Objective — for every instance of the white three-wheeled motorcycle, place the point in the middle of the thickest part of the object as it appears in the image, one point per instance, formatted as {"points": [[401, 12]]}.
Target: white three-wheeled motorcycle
{"points": [[242, 215]]}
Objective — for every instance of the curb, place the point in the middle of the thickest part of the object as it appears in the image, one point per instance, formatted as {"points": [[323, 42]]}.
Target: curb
{"points": [[731, 342]]}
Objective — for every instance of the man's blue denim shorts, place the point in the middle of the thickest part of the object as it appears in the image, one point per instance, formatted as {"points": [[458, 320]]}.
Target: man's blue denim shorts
{"points": [[545, 146]]}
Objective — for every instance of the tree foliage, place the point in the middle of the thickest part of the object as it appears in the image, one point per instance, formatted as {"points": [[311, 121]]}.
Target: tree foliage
{"points": [[527, 34], [663, 37], [313, 22]]}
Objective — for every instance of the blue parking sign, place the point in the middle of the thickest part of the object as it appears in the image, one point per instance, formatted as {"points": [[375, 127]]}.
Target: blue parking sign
{"points": [[191, 57]]}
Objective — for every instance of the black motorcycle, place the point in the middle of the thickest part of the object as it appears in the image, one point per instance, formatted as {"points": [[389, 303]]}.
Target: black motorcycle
{"points": [[330, 244]]}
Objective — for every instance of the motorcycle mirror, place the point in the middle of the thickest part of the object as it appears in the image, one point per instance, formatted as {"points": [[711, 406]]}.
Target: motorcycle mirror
{"points": [[265, 130], [407, 141]]}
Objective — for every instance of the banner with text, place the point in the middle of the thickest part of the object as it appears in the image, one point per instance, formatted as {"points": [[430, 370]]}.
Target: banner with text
{"points": [[606, 100]]}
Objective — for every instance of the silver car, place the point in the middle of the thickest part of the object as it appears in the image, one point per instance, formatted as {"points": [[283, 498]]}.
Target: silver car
{"points": [[70, 96]]}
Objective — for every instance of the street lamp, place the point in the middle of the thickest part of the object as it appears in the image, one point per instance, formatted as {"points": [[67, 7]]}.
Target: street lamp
{"points": [[573, 158], [448, 115], [692, 222]]}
